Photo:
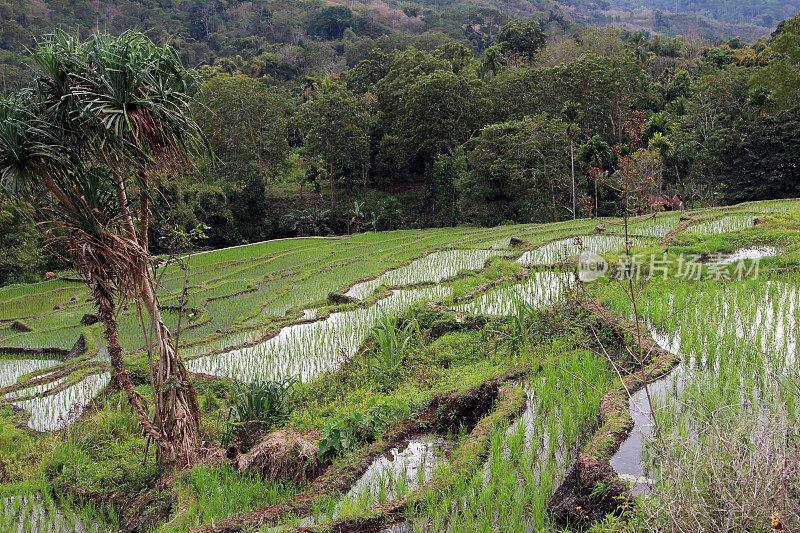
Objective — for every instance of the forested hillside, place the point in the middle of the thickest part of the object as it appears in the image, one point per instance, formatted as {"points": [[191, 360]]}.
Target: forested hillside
{"points": [[765, 13], [205, 31]]}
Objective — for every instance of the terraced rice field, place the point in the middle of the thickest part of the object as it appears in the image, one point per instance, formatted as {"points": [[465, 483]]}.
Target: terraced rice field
{"points": [[304, 307], [240, 295]]}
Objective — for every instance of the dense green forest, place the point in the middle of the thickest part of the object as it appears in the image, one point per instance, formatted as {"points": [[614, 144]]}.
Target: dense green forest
{"points": [[336, 120]]}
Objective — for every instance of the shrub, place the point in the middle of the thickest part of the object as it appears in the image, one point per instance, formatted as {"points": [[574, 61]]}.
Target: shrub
{"points": [[346, 431], [736, 471]]}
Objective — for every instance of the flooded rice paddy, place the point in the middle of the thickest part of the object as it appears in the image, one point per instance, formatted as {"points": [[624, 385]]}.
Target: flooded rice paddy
{"points": [[54, 411], [397, 472], [724, 224], [432, 268], [541, 289], [564, 250], [754, 252], [308, 350], [735, 338], [12, 369]]}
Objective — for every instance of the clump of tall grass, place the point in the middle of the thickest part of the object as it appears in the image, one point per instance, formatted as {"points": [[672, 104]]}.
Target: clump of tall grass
{"points": [[259, 406], [518, 321], [223, 491], [394, 337]]}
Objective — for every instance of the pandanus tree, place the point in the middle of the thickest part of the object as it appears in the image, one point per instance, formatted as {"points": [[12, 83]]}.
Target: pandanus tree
{"points": [[81, 150]]}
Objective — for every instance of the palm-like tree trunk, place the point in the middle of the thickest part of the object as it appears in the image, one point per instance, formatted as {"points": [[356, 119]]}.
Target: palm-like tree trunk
{"points": [[176, 406], [103, 296], [596, 198], [333, 185], [176, 409]]}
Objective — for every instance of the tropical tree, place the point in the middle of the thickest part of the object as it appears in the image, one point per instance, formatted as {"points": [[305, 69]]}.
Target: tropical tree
{"points": [[336, 129], [657, 123], [571, 112], [81, 149], [765, 162], [522, 38], [662, 147], [637, 44], [782, 75], [439, 112], [596, 154], [760, 99], [242, 116], [513, 168], [446, 172], [21, 257]]}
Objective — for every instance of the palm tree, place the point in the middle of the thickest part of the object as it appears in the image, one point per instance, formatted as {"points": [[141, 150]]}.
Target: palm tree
{"points": [[596, 154], [356, 215], [571, 112], [662, 147], [657, 123], [118, 109], [760, 99], [637, 44]]}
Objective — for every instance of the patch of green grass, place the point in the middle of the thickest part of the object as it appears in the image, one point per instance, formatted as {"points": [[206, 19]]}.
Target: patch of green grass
{"points": [[209, 494]]}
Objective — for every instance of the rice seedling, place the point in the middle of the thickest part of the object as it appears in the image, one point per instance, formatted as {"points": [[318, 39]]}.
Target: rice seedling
{"points": [[542, 289], [437, 266], [773, 206], [725, 224], [653, 227], [566, 249], [26, 510], [223, 491], [359, 291], [293, 274], [739, 339]]}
